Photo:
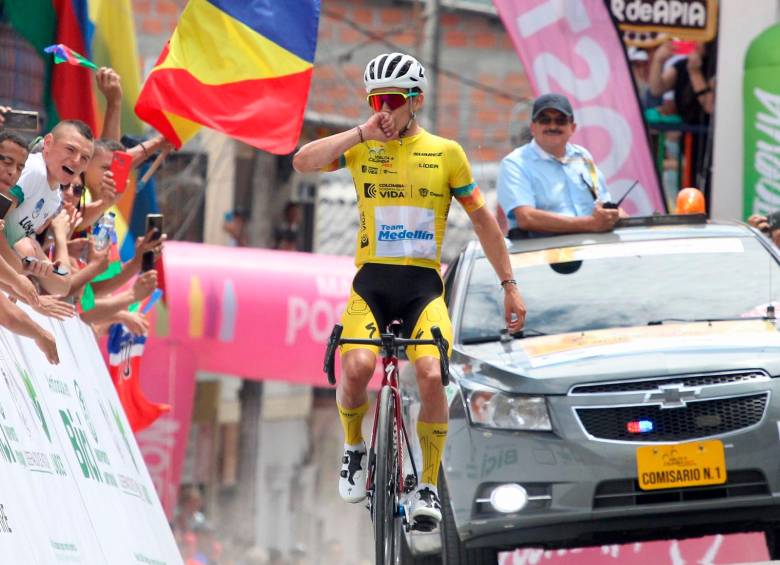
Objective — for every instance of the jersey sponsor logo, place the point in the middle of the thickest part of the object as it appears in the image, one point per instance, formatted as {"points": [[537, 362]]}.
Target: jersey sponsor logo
{"points": [[370, 170], [27, 226], [399, 232], [38, 207], [424, 192], [371, 190], [427, 166], [364, 241], [377, 155], [371, 327], [419, 154]]}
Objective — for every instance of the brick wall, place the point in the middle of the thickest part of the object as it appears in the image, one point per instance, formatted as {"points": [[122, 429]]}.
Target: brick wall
{"points": [[474, 47]]}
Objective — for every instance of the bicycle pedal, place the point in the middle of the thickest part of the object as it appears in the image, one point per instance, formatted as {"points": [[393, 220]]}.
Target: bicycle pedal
{"points": [[424, 524]]}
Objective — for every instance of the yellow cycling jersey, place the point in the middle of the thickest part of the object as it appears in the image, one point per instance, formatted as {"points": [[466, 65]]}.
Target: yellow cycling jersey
{"points": [[404, 188]]}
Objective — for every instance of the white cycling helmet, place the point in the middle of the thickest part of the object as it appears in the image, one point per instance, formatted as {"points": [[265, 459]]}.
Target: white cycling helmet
{"points": [[394, 70]]}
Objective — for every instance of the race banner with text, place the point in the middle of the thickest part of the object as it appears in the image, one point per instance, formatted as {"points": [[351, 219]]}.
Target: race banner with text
{"points": [[573, 47], [761, 95], [75, 487]]}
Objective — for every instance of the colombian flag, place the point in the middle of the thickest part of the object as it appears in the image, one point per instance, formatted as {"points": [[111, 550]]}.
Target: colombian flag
{"points": [[242, 68]]}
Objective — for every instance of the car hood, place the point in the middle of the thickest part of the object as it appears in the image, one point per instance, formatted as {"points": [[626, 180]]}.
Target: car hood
{"points": [[552, 364]]}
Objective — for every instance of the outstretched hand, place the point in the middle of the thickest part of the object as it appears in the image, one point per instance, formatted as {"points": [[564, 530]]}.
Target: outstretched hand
{"points": [[514, 308]]}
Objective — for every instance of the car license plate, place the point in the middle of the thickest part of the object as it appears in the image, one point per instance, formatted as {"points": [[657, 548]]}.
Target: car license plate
{"points": [[682, 465]]}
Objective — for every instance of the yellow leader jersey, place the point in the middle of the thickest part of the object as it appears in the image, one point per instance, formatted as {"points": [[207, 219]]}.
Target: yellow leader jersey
{"points": [[404, 188]]}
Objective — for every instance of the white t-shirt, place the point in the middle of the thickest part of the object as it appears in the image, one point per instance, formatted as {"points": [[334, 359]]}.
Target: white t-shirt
{"points": [[36, 201]]}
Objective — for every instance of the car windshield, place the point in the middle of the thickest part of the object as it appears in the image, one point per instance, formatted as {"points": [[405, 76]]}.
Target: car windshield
{"points": [[627, 284]]}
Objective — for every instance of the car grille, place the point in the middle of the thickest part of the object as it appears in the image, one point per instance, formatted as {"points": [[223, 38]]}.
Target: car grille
{"points": [[698, 419], [685, 380], [611, 494]]}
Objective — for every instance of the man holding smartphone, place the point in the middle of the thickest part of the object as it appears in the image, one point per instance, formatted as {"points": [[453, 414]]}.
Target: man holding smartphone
{"points": [[552, 186]]}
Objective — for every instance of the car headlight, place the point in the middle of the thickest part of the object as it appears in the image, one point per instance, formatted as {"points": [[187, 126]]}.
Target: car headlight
{"points": [[498, 410]]}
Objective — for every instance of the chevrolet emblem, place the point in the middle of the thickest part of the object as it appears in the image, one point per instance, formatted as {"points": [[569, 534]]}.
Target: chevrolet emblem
{"points": [[672, 396]]}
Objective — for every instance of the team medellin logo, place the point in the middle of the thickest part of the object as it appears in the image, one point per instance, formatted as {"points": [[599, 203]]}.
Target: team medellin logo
{"points": [[38, 207], [369, 190]]}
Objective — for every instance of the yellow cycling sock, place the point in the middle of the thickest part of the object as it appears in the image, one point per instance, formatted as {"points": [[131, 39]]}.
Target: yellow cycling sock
{"points": [[432, 436], [352, 422]]}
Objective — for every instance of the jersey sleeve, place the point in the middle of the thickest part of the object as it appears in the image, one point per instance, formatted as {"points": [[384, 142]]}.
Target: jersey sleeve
{"points": [[462, 184]]}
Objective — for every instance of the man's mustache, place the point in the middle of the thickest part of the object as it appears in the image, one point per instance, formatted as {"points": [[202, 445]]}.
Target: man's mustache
{"points": [[553, 131]]}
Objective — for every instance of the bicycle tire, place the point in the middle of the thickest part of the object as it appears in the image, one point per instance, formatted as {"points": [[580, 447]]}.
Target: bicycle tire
{"points": [[385, 503]]}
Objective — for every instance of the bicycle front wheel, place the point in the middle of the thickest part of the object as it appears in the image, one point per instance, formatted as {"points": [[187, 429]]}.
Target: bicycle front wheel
{"points": [[386, 535]]}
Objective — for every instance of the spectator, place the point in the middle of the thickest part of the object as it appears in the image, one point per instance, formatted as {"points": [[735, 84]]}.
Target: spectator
{"points": [[287, 233], [235, 226], [692, 79], [769, 225], [551, 185]]}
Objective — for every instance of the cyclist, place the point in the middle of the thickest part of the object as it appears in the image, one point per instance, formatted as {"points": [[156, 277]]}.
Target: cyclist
{"points": [[405, 178]]}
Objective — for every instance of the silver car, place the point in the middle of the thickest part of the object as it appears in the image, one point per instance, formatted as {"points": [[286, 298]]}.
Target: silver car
{"points": [[639, 403]]}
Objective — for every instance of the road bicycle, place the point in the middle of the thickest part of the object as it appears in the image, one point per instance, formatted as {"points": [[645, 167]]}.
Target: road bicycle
{"points": [[387, 483]]}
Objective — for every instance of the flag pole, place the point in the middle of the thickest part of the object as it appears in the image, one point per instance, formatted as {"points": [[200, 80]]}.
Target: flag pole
{"points": [[156, 164]]}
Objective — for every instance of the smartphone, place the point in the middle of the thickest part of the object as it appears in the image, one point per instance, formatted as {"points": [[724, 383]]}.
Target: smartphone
{"points": [[121, 164], [153, 222], [58, 270], [21, 120], [5, 205]]}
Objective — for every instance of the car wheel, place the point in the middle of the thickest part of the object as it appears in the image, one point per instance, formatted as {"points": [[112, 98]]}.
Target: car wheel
{"points": [[772, 537], [452, 550]]}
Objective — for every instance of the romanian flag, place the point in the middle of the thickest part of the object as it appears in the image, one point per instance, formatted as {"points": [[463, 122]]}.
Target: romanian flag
{"points": [[242, 68]]}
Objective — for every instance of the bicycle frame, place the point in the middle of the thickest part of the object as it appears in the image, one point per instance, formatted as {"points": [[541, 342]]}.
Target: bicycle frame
{"points": [[390, 378]]}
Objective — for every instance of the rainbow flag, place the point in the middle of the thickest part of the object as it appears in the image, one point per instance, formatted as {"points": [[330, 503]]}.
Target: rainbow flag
{"points": [[64, 54], [242, 68]]}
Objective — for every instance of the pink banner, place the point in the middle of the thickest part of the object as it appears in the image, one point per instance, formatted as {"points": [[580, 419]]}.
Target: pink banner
{"points": [[572, 47], [709, 550], [255, 313]]}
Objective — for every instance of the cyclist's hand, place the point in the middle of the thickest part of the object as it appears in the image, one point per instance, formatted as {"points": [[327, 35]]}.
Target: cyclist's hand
{"points": [[514, 308], [379, 127]]}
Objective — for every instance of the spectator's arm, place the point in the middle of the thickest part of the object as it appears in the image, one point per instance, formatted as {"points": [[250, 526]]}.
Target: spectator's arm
{"points": [[132, 267], [109, 84], [97, 263], [16, 320], [106, 308], [659, 79], [703, 90], [146, 149]]}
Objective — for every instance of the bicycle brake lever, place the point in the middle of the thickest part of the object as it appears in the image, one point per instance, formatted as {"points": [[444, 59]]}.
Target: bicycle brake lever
{"points": [[442, 346]]}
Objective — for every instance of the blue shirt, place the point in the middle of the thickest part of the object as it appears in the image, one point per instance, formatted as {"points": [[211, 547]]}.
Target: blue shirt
{"points": [[529, 176]]}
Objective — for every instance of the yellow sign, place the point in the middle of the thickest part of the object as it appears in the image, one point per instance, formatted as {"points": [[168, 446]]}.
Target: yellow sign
{"points": [[643, 20], [683, 465]]}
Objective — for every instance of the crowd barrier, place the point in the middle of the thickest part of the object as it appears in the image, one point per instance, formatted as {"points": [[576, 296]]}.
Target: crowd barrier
{"points": [[75, 488]]}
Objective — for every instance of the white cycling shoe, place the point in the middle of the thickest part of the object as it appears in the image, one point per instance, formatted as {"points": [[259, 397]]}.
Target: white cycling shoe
{"points": [[352, 478], [425, 507]]}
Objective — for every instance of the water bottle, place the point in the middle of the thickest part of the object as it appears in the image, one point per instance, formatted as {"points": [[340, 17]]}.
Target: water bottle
{"points": [[103, 232]]}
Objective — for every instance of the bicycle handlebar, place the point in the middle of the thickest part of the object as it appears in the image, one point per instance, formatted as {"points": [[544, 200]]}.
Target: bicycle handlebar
{"points": [[389, 342]]}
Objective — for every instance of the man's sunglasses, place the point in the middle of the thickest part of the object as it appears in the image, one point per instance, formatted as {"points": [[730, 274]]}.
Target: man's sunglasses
{"points": [[547, 120], [393, 100]]}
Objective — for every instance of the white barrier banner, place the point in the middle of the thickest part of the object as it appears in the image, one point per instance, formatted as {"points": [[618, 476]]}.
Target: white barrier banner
{"points": [[73, 484]]}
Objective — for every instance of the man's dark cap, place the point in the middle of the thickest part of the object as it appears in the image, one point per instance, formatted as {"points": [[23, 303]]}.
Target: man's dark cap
{"points": [[552, 101]]}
